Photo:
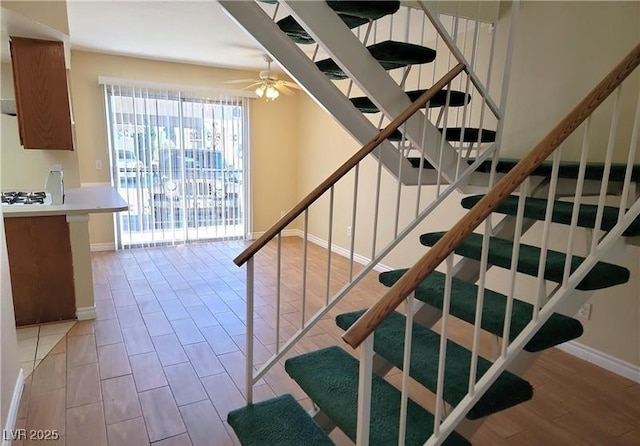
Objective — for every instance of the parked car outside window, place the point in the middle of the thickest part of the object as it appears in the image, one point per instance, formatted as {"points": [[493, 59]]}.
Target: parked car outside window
{"points": [[128, 161]]}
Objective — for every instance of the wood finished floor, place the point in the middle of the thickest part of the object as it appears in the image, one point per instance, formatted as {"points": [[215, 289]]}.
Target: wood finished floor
{"points": [[163, 363]]}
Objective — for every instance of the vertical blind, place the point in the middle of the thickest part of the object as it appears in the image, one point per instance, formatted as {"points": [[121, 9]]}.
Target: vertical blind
{"points": [[179, 159]]}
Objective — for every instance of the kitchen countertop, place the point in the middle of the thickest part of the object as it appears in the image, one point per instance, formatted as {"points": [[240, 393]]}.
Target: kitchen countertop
{"points": [[83, 200]]}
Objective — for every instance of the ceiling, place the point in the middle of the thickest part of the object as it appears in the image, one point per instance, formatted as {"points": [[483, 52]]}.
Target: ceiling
{"points": [[188, 31]]}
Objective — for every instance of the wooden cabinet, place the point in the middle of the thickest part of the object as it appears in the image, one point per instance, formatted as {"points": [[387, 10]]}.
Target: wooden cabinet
{"points": [[42, 96], [41, 269]]}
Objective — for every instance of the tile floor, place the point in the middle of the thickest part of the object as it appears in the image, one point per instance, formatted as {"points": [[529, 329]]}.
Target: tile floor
{"points": [[36, 341], [163, 363]]}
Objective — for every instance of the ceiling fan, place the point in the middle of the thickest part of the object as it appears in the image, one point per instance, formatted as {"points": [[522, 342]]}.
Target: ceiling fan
{"points": [[268, 85]]}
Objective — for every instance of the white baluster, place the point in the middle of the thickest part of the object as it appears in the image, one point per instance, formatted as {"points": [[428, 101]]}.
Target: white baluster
{"points": [[442, 358], [399, 182], [524, 191], [577, 201], [607, 169], [542, 262], [377, 203], [353, 220], [484, 255], [278, 290], [329, 244], [406, 367], [633, 147], [249, 338], [304, 265], [364, 392], [443, 139], [425, 125]]}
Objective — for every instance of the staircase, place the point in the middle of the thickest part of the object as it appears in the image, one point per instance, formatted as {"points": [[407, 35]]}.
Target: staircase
{"points": [[351, 393], [335, 393], [364, 64]]}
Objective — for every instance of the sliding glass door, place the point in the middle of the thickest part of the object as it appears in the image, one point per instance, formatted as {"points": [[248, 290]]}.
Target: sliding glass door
{"points": [[180, 162]]}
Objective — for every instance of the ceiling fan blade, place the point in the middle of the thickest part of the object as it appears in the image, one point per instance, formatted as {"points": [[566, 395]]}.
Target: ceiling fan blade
{"points": [[240, 81], [250, 86], [291, 84], [284, 89]]}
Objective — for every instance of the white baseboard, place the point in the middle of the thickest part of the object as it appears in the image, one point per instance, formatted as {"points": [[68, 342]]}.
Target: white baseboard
{"points": [[362, 260], [607, 362], [86, 313], [12, 416], [96, 247], [285, 233]]}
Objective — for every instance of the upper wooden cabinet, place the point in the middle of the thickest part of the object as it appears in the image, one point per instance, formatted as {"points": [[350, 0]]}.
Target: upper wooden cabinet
{"points": [[42, 96]]}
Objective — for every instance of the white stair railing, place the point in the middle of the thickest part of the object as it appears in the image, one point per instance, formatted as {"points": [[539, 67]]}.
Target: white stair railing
{"points": [[562, 298], [322, 200], [250, 16], [422, 135]]}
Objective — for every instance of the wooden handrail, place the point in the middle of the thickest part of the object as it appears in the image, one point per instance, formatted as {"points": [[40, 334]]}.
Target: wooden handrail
{"points": [[346, 167], [369, 321]]}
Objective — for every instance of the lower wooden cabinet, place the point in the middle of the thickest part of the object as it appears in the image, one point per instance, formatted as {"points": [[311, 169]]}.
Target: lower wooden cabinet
{"points": [[41, 268]]}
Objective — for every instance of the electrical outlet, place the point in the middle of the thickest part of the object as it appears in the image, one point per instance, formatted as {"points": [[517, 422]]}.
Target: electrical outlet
{"points": [[348, 231], [98, 164], [585, 311]]}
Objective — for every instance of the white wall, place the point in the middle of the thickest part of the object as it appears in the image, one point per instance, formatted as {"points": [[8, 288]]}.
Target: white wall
{"points": [[27, 169], [562, 50]]}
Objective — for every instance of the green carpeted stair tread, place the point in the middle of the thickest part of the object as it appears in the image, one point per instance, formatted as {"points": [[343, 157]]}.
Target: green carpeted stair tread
{"points": [[470, 134], [352, 13], [298, 34], [536, 208], [557, 330], [415, 162], [390, 54], [453, 135], [508, 390], [602, 275], [370, 10], [457, 99], [395, 136], [279, 421], [330, 378], [568, 169]]}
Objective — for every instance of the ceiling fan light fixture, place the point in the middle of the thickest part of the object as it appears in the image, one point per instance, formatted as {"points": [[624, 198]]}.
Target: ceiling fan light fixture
{"points": [[261, 90], [267, 86], [271, 92]]}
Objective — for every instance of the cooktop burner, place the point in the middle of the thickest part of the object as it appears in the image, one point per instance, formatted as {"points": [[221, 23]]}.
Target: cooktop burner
{"points": [[23, 197]]}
